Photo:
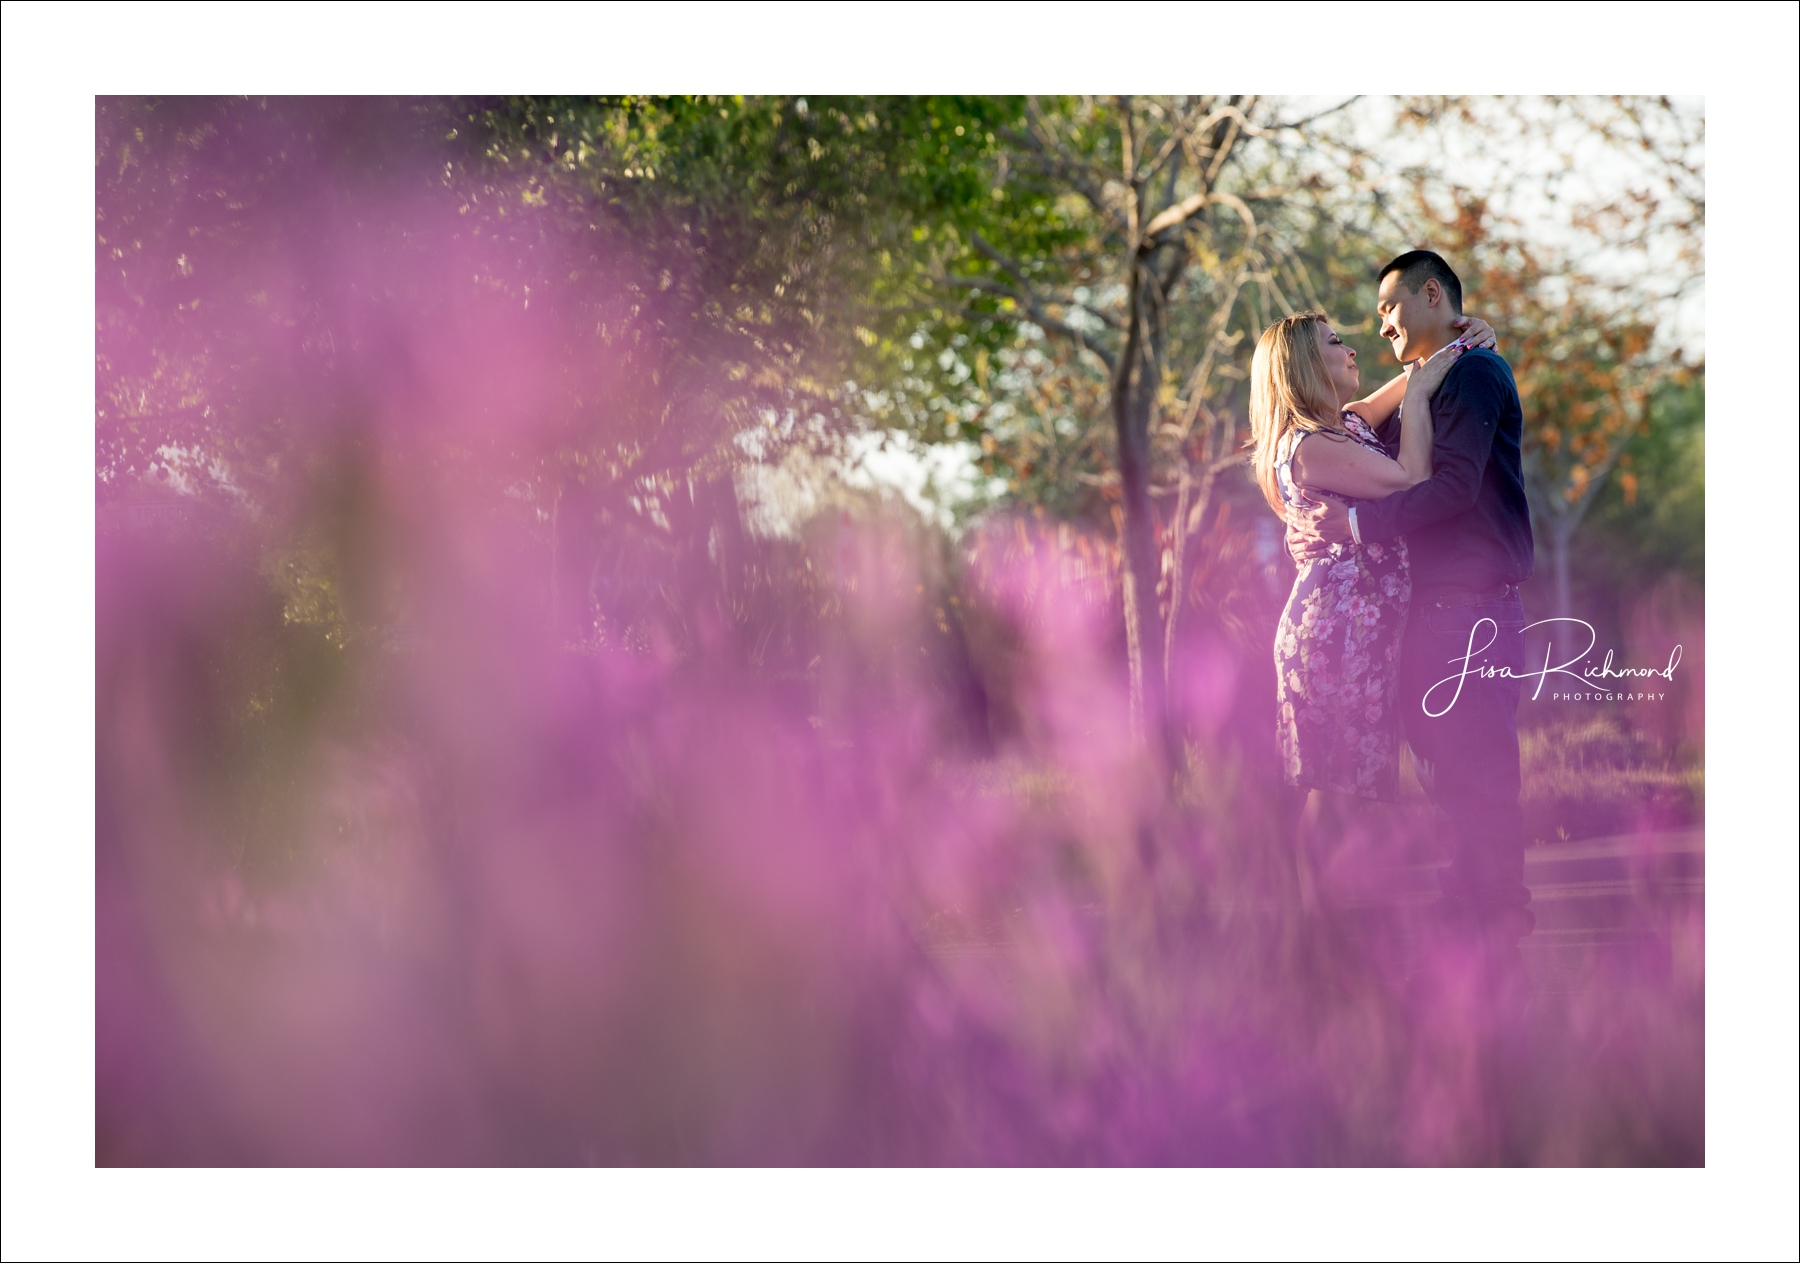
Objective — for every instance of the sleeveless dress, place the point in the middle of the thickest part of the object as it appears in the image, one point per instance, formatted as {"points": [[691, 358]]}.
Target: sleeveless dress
{"points": [[1337, 654]]}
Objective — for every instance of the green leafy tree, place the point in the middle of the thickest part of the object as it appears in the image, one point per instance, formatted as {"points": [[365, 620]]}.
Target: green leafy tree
{"points": [[693, 266], [765, 236]]}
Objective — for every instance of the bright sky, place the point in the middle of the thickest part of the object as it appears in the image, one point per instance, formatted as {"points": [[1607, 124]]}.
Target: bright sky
{"points": [[1543, 184]]}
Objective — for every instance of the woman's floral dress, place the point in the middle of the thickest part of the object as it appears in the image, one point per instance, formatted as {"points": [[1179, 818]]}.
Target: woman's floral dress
{"points": [[1337, 655]]}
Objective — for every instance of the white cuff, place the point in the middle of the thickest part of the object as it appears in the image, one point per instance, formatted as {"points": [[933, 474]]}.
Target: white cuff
{"points": [[1354, 533]]}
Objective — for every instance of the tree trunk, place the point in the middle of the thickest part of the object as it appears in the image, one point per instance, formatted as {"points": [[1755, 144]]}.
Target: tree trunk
{"points": [[1132, 405], [1176, 558], [1560, 537], [1190, 510]]}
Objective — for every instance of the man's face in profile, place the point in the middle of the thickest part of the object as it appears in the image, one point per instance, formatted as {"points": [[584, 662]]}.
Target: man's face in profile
{"points": [[1405, 315]]}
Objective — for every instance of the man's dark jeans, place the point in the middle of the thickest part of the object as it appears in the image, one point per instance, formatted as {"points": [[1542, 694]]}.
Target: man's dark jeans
{"points": [[1465, 742]]}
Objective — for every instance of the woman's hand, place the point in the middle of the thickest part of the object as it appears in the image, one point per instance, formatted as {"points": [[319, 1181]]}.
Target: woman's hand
{"points": [[1476, 332], [1424, 380]]}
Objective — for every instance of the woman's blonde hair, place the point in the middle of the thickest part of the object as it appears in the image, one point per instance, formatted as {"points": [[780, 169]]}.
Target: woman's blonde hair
{"points": [[1289, 390]]}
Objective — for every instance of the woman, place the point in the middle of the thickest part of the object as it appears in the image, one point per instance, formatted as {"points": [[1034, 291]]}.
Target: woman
{"points": [[1337, 650]]}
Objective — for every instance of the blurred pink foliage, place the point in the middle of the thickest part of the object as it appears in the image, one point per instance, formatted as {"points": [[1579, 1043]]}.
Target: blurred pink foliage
{"points": [[455, 889]]}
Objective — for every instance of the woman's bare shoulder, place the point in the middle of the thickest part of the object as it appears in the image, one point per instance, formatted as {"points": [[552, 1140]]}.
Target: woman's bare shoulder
{"points": [[1303, 443], [1320, 454]]}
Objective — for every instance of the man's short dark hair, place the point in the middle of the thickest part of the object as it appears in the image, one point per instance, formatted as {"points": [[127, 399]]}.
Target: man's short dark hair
{"points": [[1418, 266]]}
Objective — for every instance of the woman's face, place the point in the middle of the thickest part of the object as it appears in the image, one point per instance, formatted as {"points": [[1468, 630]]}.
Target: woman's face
{"points": [[1340, 363]]}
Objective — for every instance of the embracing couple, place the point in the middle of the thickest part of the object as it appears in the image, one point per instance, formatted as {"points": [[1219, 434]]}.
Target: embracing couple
{"points": [[1406, 515]]}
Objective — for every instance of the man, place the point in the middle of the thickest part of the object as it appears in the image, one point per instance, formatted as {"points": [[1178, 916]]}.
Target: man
{"points": [[1468, 534]]}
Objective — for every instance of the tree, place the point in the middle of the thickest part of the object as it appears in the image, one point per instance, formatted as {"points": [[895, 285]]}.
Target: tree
{"points": [[1131, 234], [763, 225], [681, 274]]}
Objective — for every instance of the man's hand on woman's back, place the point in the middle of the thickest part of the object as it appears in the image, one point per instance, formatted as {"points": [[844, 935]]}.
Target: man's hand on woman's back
{"points": [[1313, 529]]}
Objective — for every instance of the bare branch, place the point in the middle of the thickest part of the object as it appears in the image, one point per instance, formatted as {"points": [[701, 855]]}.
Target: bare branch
{"points": [[1238, 204], [1050, 324], [1022, 293], [1178, 267], [1215, 339], [1012, 267], [1133, 197], [1174, 175], [982, 285], [1055, 160], [1181, 131], [1170, 147], [1173, 217], [1298, 270], [1313, 118], [1016, 270], [1025, 299], [1178, 215]]}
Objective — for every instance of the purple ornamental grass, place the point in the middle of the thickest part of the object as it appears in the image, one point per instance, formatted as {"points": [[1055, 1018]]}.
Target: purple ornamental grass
{"points": [[421, 880]]}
